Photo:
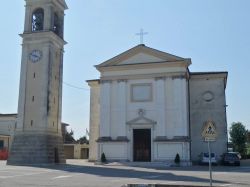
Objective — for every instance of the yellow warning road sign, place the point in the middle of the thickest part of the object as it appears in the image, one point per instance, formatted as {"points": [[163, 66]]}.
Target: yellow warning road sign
{"points": [[209, 131]]}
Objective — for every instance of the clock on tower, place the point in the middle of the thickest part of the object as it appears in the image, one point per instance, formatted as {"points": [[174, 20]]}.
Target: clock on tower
{"points": [[38, 137]]}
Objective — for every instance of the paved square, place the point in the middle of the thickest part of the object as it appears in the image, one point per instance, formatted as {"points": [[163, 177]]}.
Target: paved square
{"points": [[80, 173]]}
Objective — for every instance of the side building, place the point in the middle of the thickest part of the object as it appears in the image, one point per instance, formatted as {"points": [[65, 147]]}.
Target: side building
{"points": [[8, 124], [7, 129]]}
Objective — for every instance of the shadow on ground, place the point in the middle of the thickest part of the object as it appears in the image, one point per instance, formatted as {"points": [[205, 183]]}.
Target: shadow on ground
{"points": [[106, 171], [132, 172]]}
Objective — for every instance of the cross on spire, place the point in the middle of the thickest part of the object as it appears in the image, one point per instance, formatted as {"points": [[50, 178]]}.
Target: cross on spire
{"points": [[141, 34]]}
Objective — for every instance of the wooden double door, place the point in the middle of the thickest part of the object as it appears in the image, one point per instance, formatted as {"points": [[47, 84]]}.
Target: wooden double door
{"points": [[142, 145]]}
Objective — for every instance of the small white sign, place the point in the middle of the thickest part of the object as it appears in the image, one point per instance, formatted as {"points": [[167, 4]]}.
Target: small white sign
{"points": [[209, 139]]}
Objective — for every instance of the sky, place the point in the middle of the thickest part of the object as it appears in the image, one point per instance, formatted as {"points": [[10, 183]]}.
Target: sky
{"points": [[214, 34]]}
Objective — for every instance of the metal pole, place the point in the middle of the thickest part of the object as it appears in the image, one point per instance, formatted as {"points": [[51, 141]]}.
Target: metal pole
{"points": [[210, 168]]}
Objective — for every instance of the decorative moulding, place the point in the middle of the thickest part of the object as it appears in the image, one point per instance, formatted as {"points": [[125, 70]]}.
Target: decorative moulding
{"points": [[174, 139], [141, 120], [208, 96], [109, 139]]}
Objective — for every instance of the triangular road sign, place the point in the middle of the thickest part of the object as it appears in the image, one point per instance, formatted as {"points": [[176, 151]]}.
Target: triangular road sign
{"points": [[209, 131]]}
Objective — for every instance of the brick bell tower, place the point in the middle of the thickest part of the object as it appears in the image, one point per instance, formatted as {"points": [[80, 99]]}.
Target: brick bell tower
{"points": [[38, 137]]}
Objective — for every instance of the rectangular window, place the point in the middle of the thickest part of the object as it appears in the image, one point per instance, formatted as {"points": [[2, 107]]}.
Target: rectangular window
{"points": [[141, 92], [1, 144]]}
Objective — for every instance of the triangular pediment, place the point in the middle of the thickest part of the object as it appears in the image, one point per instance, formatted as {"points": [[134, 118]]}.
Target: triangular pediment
{"points": [[140, 54], [141, 57], [141, 120]]}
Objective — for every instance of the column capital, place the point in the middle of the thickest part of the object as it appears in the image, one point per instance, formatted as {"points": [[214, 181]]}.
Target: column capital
{"points": [[105, 81], [179, 77], [160, 78], [122, 80]]}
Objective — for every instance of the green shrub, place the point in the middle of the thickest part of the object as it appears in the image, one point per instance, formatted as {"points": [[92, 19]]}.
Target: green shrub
{"points": [[103, 158], [177, 159]]}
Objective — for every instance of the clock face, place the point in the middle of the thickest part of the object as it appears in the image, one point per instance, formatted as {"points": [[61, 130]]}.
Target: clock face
{"points": [[35, 55]]}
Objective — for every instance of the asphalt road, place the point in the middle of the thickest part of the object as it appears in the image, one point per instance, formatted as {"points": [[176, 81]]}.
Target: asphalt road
{"points": [[79, 173]]}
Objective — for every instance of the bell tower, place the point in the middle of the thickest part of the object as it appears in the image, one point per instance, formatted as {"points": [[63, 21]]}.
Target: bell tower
{"points": [[38, 137]]}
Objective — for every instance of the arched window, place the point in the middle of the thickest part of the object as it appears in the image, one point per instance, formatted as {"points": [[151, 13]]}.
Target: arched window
{"points": [[56, 27], [37, 19]]}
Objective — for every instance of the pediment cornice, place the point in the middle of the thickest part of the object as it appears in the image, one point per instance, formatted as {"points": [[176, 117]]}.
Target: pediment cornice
{"points": [[141, 119], [159, 58]]}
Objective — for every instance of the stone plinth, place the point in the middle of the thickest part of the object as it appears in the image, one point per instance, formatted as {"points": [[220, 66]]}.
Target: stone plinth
{"points": [[36, 149]]}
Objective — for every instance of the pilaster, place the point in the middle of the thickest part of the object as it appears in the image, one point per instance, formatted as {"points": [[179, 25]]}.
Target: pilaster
{"points": [[184, 107], [105, 108], [180, 101], [160, 106], [121, 106], [48, 17], [27, 24]]}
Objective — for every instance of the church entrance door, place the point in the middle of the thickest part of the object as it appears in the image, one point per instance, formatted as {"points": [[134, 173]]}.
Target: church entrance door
{"points": [[142, 145]]}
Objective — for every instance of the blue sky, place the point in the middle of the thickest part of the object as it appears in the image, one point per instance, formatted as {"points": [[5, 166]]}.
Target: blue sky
{"points": [[214, 34]]}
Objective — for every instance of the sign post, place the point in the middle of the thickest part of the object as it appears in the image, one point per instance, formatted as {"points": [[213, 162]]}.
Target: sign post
{"points": [[210, 168], [209, 134]]}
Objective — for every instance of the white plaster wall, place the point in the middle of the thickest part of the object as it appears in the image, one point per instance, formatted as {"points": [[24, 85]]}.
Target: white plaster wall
{"points": [[174, 105], [168, 151], [171, 114], [148, 106], [114, 150]]}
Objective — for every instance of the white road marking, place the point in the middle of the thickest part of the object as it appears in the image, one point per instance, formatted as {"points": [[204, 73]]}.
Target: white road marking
{"points": [[153, 176], [62, 176], [3, 177], [6, 171], [23, 175], [225, 185]]}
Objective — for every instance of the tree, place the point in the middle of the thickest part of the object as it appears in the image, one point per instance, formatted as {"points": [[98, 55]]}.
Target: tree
{"points": [[83, 140], [238, 136], [69, 137], [248, 136]]}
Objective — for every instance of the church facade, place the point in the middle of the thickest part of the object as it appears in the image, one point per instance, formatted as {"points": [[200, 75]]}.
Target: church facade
{"points": [[148, 106]]}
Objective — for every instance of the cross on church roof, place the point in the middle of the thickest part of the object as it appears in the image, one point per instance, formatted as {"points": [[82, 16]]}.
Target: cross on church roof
{"points": [[141, 33]]}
